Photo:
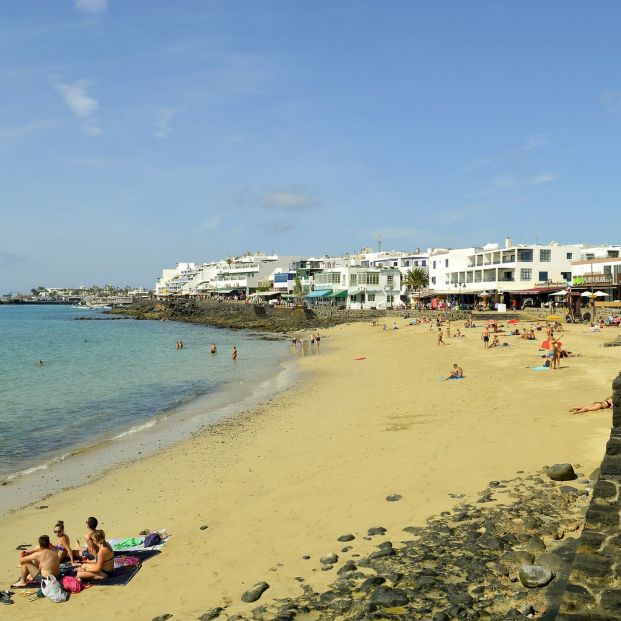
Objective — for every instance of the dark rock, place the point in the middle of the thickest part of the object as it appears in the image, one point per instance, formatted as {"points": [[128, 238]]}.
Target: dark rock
{"points": [[376, 530], [326, 566], [253, 594], [535, 545], [214, 613], [532, 576], [386, 596], [347, 567], [345, 538], [329, 559], [604, 489], [346, 549], [163, 617], [371, 582], [204, 527], [561, 472], [306, 557], [394, 497]]}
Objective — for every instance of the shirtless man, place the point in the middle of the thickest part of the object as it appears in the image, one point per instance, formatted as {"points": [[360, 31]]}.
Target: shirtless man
{"points": [[41, 563], [234, 354], [92, 547], [441, 337], [485, 336], [456, 372]]}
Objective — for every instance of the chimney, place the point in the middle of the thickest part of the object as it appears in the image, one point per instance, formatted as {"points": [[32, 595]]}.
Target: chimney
{"points": [[508, 242]]}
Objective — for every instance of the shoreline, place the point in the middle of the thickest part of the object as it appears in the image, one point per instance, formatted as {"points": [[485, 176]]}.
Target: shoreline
{"points": [[167, 427], [284, 480]]}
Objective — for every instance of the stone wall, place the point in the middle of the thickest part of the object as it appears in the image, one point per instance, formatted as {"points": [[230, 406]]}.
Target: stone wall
{"points": [[593, 591]]}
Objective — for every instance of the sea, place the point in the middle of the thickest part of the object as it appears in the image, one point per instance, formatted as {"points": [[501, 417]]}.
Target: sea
{"points": [[106, 382]]}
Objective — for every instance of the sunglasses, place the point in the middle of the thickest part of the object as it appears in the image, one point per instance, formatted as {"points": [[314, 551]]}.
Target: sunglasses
{"points": [[57, 532]]}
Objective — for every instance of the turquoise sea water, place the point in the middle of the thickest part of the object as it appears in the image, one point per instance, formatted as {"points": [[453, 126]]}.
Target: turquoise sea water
{"points": [[104, 378]]}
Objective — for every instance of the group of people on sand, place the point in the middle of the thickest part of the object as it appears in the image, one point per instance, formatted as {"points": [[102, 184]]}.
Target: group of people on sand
{"points": [[93, 561]]}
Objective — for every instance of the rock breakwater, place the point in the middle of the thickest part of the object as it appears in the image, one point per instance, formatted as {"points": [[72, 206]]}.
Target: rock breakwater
{"points": [[505, 555]]}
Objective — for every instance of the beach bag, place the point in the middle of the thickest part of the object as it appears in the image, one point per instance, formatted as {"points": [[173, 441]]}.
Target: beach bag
{"points": [[50, 587], [72, 585], [126, 561], [152, 540]]}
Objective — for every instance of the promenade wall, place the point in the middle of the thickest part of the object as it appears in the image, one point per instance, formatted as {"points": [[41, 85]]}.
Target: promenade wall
{"points": [[593, 592]]}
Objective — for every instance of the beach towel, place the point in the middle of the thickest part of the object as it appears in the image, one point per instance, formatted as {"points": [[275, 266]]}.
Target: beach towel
{"points": [[541, 368], [361, 358], [127, 544]]}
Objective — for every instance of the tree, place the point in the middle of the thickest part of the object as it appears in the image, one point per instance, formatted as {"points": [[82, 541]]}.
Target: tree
{"points": [[297, 287], [416, 279]]}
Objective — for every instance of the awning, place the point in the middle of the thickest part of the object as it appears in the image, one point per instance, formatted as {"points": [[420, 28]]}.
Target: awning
{"points": [[356, 291], [322, 293], [221, 290], [338, 294]]}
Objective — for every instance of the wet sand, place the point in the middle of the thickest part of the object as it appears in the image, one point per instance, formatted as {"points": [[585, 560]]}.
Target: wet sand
{"points": [[287, 478]]}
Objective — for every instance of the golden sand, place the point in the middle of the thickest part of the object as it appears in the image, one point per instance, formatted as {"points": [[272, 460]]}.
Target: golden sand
{"points": [[286, 479]]}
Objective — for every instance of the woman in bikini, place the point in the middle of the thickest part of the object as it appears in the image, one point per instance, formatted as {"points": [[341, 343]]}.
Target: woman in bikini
{"points": [[103, 566], [64, 545], [597, 405]]}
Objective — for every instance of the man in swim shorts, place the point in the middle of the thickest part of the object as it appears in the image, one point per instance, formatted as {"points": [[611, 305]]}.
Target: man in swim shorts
{"points": [[456, 372], [41, 563], [485, 337]]}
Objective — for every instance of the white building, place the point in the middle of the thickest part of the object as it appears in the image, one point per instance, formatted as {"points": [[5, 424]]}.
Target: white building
{"points": [[172, 279], [601, 273], [516, 268], [356, 287]]}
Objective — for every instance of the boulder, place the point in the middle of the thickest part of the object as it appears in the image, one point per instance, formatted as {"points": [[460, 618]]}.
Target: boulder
{"points": [[386, 596], [253, 594], [533, 576], [561, 472]]}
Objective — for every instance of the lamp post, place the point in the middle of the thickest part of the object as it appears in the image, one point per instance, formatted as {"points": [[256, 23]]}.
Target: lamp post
{"points": [[459, 286]]}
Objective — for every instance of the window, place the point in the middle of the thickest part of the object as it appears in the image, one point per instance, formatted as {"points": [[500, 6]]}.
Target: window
{"points": [[478, 276], [525, 255], [433, 280], [445, 262], [434, 265], [608, 270], [390, 280], [368, 278], [406, 263], [394, 264], [545, 256], [423, 263], [570, 255], [390, 298], [371, 297], [415, 263], [526, 274], [328, 278], [566, 276], [353, 279], [543, 276]]}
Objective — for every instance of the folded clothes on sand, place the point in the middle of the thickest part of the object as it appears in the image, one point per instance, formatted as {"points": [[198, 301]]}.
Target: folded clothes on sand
{"points": [[126, 544]]}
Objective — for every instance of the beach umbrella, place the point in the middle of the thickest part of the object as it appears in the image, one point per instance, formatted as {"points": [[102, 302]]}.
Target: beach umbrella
{"points": [[484, 294], [600, 294], [560, 293], [513, 321], [547, 345], [553, 318], [587, 294]]}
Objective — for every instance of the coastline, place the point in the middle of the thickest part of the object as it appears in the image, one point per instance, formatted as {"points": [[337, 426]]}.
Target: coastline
{"points": [[285, 479], [89, 462]]}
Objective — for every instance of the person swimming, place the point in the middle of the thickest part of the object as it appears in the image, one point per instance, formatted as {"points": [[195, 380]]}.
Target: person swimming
{"points": [[213, 349]]}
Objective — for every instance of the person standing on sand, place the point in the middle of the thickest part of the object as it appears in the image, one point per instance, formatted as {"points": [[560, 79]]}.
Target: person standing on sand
{"points": [[485, 336], [234, 353], [448, 328], [556, 354], [441, 337]]}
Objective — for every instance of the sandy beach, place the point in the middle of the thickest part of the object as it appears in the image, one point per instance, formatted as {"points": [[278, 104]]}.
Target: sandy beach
{"points": [[286, 479]]}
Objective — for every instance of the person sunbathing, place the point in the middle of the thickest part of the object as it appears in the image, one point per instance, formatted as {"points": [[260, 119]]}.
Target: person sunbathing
{"points": [[103, 566], [91, 546], [597, 405], [456, 373], [40, 563], [64, 545]]}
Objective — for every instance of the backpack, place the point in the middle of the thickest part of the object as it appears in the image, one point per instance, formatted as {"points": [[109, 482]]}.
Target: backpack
{"points": [[50, 587], [72, 584], [152, 539]]}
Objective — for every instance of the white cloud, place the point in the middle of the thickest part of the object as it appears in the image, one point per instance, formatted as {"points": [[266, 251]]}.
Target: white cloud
{"points": [[162, 122], [75, 97], [611, 100], [91, 6], [212, 223], [535, 141], [542, 178], [81, 104], [26, 128], [288, 201]]}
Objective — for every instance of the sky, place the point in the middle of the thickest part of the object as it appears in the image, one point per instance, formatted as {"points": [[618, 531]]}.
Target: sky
{"points": [[135, 134]]}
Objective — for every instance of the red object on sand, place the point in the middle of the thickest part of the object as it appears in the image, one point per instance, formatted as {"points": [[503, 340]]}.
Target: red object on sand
{"points": [[513, 321], [362, 358], [547, 345]]}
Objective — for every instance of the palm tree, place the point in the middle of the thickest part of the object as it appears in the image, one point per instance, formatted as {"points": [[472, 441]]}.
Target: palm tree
{"points": [[416, 279]]}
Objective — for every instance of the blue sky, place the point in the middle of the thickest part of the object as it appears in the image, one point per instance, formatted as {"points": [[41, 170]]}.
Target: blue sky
{"points": [[135, 134]]}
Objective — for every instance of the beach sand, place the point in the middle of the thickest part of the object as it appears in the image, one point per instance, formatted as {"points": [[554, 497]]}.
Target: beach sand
{"points": [[288, 478]]}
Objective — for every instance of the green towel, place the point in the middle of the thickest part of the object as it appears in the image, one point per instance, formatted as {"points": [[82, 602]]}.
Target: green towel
{"points": [[128, 543]]}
